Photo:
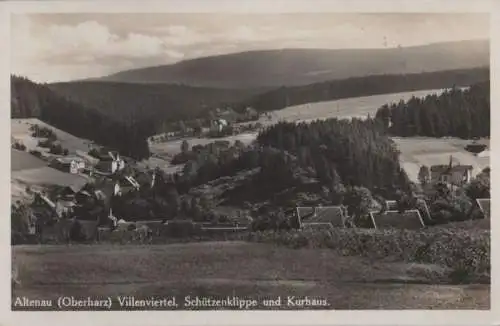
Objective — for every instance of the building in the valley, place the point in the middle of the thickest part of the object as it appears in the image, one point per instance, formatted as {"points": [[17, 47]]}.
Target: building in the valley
{"points": [[456, 175], [110, 163], [69, 164], [219, 124]]}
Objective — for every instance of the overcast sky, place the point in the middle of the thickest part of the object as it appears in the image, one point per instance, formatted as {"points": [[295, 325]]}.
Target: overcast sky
{"points": [[61, 47]]}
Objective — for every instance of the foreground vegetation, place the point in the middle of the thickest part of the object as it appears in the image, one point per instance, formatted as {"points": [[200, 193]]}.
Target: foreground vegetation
{"points": [[208, 269]]}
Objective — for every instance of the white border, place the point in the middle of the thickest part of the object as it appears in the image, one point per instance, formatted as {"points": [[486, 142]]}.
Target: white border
{"points": [[409, 317], [301, 224]]}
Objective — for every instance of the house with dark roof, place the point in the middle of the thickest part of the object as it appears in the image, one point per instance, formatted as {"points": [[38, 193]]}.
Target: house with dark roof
{"points": [[409, 220], [456, 175], [334, 215]]}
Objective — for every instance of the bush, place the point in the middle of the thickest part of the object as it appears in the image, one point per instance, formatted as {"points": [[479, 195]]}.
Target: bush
{"points": [[179, 229], [76, 232], [36, 153], [42, 132], [45, 143], [19, 146], [56, 149], [466, 252]]}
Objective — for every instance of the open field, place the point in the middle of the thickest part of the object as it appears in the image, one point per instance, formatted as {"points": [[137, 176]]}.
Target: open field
{"points": [[28, 170], [344, 108], [418, 151], [20, 131], [170, 148], [241, 269], [21, 160]]}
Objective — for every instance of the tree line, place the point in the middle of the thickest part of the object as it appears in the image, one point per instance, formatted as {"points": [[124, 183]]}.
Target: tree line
{"points": [[32, 100], [364, 86], [463, 113]]}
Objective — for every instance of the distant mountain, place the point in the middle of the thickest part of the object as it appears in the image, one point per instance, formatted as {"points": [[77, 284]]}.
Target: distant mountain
{"points": [[294, 67], [364, 86]]}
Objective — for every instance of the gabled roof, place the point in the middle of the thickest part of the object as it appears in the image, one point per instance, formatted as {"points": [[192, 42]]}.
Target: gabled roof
{"points": [[328, 214], [410, 220], [484, 205], [446, 168]]}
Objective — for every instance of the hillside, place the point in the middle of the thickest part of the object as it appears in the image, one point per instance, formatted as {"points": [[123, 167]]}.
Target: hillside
{"points": [[293, 67], [364, 86], [32, 100], [158, 101]]}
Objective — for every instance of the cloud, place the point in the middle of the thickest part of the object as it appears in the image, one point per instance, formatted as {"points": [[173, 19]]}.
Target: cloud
{"points": [[90, 43], [49, 45]]}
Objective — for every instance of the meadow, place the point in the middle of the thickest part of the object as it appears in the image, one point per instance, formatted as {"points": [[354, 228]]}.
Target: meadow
{"points": [[418, 151], [20, 132], [237, 268]]}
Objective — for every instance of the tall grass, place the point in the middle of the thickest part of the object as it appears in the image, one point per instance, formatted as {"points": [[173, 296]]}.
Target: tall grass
{"points": [[465, 252]]}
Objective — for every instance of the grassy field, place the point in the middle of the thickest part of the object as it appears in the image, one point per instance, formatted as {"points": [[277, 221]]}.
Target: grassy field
{"points": [[418, 151], [250, 270], [20, 160], [30, 171], [20, 132], [344, 108]]}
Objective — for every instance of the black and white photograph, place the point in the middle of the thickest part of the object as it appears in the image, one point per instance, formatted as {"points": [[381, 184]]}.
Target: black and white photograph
{"points": [[213, 161]]}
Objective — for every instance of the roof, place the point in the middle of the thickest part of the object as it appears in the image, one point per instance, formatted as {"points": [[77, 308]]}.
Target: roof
{"points": [[410, 220], [328, 214], [484, 205], [318, 226], [446, 168], [69, 159]]}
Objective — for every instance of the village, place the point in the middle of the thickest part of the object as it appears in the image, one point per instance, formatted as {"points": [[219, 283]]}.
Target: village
{"points": [[92, 211]]}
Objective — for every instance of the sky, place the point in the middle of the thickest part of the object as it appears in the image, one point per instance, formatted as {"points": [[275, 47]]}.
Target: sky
{"points": [[63, 47]]}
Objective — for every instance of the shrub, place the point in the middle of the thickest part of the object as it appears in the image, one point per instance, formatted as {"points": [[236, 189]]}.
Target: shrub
{"points": [[179, 229], [36, 153], [47, 143], [466, 252], [19, 146], [42, 132], [76, 232], [56, 149]]}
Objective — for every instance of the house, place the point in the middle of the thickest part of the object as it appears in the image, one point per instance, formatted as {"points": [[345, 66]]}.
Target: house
{"points": [[334, 215], [110, 163], [451, 174], [89, 160], [125, 185], [219, 124], [409, 220], [71, 164]]}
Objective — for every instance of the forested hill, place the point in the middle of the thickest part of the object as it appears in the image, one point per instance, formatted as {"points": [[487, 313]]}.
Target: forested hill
{"points": [[295, 67], [151, 101], [457, 113], [31, 100], [364, 86]]}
